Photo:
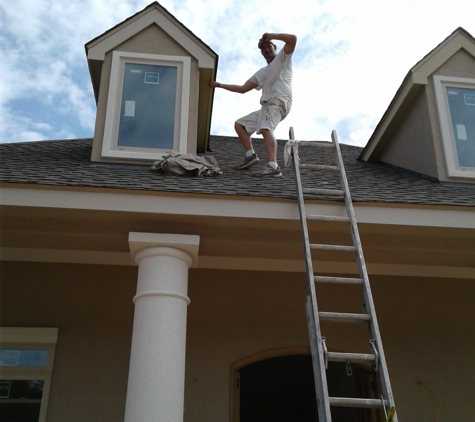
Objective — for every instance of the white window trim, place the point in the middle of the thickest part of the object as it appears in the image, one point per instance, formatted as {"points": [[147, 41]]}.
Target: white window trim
{"points": [[109, 144], [445, 122], [30, 338]]}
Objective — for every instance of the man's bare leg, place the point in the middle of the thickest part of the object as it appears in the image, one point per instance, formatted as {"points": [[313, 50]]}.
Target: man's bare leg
{"points": [[271, 144], [244, 137], [251, 158]]}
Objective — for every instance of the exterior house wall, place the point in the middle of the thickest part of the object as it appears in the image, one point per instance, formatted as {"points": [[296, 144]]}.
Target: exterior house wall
{"points": [[93, 310], [411, 146], [152, 40], [233, 315]]}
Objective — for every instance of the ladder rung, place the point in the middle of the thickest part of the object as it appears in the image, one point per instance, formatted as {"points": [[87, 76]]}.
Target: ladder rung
{"points": [[367, 403], [351, 357], [317, 144], [318, 167], [328, 218], [340, 317], [338, 280], [333, 247], [332, 192]]}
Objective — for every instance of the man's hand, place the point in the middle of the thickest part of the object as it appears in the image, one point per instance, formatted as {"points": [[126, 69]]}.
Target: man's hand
{"points": [[289, 40], [265, 38], [213, 84]]}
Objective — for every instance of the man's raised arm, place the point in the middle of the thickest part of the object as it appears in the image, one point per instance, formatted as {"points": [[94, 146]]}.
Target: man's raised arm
{"points": [[289, 40]]}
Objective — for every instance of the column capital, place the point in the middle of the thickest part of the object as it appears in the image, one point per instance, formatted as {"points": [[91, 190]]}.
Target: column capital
{"points": [[186, 243]]}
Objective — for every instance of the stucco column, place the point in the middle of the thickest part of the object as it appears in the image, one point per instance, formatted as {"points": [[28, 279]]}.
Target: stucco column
{"points": [[156, 385]]}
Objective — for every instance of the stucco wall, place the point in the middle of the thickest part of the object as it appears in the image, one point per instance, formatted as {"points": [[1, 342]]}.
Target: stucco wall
{"points": [[426, 324], [92, 307], [412, 146]]}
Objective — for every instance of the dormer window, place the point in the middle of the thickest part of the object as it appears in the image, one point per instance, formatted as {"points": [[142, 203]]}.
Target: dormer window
{"points": [[147, 108], [150, 77], [455, 99]]}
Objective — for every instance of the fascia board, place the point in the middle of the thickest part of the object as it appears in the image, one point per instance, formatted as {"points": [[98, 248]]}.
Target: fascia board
{"points": [[443, 53], [98, 49], [233, 207]]}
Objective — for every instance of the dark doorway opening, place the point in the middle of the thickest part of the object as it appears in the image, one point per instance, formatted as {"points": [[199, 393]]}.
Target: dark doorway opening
{"points": [[282, 389]]}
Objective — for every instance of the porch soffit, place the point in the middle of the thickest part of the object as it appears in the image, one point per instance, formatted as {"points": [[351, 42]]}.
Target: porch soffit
{"points": [[257, 243]]}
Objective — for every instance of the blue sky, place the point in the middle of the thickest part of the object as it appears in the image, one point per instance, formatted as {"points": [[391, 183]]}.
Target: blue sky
{"points": [[351, 58]]}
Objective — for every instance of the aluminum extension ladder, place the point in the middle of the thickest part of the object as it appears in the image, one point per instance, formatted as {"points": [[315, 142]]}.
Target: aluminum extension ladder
{"points": [[320, 355]]}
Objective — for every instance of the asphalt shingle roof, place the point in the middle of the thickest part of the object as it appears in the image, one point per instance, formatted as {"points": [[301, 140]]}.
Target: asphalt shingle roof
{"points": [[67, 163]]}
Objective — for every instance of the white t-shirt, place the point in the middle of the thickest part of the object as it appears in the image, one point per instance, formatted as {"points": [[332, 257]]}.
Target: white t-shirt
{"points": [[275, 79]]}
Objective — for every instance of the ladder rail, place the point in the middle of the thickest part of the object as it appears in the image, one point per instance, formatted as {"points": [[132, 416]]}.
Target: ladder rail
{"points": [[368, 297], [320, 377], [319, 353]]}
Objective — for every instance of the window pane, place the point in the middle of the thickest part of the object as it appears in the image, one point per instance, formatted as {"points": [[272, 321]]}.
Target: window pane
{"points": [[462, 112], [23, 357], [20, 400], [147, 117]]}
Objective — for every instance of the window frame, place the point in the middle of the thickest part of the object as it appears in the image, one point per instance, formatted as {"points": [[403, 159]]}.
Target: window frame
{"points": [[110, 149], [445, 123], [30, 338]]}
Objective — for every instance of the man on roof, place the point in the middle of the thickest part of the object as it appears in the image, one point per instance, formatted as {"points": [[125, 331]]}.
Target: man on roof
{"points": [[275, 81]]}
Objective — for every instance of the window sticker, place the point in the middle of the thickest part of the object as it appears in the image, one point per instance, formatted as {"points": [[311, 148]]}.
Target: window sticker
{"points": [[152, 77], [461, 132], [129, 109], [10, 357], [135, 71], [5, 389], [469, 99]]}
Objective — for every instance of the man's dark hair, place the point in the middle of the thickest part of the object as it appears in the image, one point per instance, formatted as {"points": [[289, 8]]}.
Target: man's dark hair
{"points": [[259, 45]]}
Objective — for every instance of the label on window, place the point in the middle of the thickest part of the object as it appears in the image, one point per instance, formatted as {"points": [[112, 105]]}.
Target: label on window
{"points": [[5, 389], [469, 99], [129, 109], [10, 357], [461, 132], [152, 77]]}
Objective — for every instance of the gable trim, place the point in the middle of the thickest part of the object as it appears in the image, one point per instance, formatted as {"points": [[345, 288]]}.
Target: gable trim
{"points": [[97, 49], [444, 52]]}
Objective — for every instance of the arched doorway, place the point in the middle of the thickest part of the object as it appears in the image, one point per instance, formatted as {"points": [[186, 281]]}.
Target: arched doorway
{"points": [[280, 388]]}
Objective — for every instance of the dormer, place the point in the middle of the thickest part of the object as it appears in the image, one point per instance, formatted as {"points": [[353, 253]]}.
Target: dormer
{"points": [[429, 127], [150, 78]]}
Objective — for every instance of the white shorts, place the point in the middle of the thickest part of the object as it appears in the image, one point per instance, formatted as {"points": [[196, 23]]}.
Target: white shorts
{"points": [[268, 117]]}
